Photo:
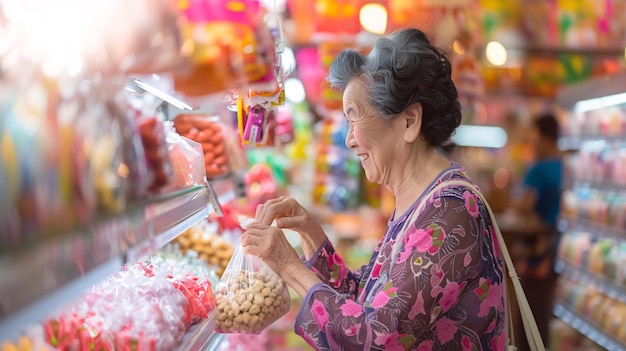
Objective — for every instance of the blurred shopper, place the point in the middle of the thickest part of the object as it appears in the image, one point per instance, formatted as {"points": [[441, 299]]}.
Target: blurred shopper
{"points": [[435, 281], [538, 206]]}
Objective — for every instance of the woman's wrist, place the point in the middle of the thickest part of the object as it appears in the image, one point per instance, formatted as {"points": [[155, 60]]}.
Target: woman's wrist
{"points": [[311, 241], [299, 278]]}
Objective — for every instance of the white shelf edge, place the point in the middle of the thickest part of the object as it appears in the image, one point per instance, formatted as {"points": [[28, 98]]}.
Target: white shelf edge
{"points": [[586, 328], [40, 309]]}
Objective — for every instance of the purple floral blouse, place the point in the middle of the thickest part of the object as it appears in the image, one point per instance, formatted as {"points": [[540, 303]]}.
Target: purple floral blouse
{"points": [[444, 291]]}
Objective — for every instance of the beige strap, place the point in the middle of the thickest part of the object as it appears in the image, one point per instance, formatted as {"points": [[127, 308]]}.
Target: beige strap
{"points": [[528, 320]]}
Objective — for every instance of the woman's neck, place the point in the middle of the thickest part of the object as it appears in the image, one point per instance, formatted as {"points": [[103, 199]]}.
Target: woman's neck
{"points": [[416, 177]]}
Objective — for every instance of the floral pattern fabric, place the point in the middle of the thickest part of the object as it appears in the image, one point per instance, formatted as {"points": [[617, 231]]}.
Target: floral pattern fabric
{"points": [[443, 290]]}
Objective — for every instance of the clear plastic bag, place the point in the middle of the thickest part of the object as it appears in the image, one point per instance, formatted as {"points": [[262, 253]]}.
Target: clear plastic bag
{"points": [[187, 159], [250, 296]]}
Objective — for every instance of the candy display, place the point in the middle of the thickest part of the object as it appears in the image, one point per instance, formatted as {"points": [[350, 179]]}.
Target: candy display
{"points": [[208, 132], [187, 159], [172, 298], [67, 157], [209, 246], [250, 296]]}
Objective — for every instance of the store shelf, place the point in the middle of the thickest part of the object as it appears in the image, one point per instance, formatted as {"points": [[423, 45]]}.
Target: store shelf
{"points": [[586, 328], [577, 142], [607, 286], [39, 279], [202, 336], [608, 187], [585, 225]]}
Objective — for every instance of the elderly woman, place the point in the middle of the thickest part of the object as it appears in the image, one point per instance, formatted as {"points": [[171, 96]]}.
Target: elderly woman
{"points": [[435, 283]]}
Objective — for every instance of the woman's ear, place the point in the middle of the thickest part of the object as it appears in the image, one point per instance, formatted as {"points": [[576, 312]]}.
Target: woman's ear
{"points": [[413, 119]]}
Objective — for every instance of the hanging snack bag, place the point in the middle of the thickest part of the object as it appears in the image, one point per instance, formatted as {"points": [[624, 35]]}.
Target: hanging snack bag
{"points": [[250, 296], [208, 132], [187, 159]]}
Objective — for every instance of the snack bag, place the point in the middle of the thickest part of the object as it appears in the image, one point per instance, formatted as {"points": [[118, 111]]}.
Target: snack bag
{"points": [[187, 159], [250, 296]]}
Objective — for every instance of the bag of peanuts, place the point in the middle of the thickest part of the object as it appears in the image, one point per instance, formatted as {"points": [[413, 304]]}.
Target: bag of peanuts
{"points": [[250, 296]]}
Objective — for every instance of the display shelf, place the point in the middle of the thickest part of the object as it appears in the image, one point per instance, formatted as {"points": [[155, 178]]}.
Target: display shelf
{"points": [[567, 223], [39, 279], [595, 185], [606, 286], [577, 142], [202, 336], [586, 328]]}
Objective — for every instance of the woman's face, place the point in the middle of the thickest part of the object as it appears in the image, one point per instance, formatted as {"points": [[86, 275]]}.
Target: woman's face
{"points": [[372, 138]]}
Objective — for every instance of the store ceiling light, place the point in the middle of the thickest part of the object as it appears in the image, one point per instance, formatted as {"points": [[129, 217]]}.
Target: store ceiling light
{"points": [[496, 53], [480, 136], [373, 18], [294, 90], [599, 103], [288, 61]]}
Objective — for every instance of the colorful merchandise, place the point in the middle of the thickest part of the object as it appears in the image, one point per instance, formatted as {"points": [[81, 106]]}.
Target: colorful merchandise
{"points": [[208, 132], [210, 247]]}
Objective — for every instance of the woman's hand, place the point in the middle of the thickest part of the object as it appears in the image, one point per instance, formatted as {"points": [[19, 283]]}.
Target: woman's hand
{"points": [[289, 214], [270, 245]]}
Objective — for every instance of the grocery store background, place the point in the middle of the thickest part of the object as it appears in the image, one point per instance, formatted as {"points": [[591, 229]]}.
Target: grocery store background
{"points": [[112, 112]]}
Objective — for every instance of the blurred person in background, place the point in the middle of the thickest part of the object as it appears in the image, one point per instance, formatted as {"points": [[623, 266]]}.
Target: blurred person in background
{"points": [[434, 282], [538, 208]]}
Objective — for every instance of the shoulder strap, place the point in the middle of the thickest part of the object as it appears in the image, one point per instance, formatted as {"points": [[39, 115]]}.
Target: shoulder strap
{"points": [[530, 325]]}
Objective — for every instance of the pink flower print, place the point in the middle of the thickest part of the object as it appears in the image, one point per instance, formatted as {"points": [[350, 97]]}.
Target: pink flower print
{"points": [[490, 296], [436, 276], [471, 203], [376, 270], [320, 315], [389, 341], [450, 296], [494, 241], [380, 299], [445, 329], [351, 309], [467, 259], [306, 336], [437, 202], [338, 271], [418, 307], [383, 296], [352, 330], [498, 342], [491, 326], [425, 345], [466, 343]]}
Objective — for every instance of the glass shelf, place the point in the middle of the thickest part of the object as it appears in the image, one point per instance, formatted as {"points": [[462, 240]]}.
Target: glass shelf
{"points": [[588, 329], [577, 142], [608, 187], [38, 279], [202, 336], [567, 223], [607, 286]]}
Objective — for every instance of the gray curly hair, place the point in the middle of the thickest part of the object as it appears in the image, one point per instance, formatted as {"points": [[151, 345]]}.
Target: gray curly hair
{"points": [[401, 70]]}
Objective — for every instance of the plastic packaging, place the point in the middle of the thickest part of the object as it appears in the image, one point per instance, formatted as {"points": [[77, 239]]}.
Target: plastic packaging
{"points": [[208, 132], [187, 159], [203, 239], [250, 296]]}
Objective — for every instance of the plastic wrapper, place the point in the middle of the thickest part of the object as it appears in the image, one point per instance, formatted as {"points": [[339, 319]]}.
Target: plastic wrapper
{"points": [[146, 306], [210, 247], [208, 132], [187, 159], [250, 296], [153, 138]]}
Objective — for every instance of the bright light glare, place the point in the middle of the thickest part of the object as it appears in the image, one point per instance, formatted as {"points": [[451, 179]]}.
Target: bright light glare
{"points": [[496, 53], [373, 18], [294, 90], [288, 61], [480, 136], [458, 47], [598, 103], [501, 178], [181, 105]]}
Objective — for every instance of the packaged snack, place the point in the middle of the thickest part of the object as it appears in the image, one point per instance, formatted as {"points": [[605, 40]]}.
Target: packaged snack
{"points": [[250, 296], [187, 159], [208, 245], [208, 132]]}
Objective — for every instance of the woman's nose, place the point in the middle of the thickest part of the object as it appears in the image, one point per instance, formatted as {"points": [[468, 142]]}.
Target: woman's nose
{"points": [[350, 141]]}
